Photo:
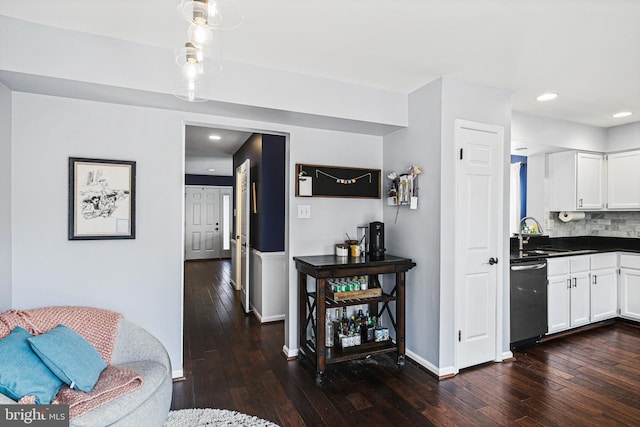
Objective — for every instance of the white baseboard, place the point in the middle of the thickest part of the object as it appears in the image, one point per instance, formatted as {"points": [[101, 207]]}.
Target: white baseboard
{"points": [[289, 353], [440, 372], [177, 373], [266, 319], [506, 355]]}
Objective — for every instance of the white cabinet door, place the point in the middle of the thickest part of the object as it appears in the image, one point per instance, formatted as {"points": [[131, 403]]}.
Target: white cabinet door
{"points": [[604, 294], [576, 181], [580, 303], [630, 293], [590, 181], [623, 180], [558, 303]]}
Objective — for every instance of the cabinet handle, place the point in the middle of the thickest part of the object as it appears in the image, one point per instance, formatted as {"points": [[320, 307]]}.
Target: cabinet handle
{"points": [[595, 279], [575, 282], [568, 283]]}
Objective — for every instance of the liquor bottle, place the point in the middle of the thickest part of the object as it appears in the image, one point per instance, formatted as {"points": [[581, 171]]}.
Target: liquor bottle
{"points": [[336, 325], [345, 321], [328, 337]]}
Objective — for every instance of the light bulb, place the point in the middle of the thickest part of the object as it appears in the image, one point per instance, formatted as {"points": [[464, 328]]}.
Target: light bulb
{"points": [[191, 69], [200, 34]]}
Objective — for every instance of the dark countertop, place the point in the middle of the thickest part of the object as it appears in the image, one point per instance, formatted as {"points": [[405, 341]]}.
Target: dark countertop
{"points": [[571, 246]]}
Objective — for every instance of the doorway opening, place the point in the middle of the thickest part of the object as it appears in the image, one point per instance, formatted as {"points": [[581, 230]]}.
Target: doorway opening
{"points": [[212, 158]]}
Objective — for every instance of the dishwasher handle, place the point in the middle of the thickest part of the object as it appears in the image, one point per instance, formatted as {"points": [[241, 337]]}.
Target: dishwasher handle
{"points": [[528, 267]]}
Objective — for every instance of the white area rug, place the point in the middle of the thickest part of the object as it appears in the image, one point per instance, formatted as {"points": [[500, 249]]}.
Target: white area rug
{"points": [[213, 417]]}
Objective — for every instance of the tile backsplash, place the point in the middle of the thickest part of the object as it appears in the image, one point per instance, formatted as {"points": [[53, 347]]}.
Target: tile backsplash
{"points": [[609, 224]]}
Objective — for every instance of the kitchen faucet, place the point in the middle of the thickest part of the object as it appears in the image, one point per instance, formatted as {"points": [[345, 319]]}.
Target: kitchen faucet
{"points": [[522, 222]]}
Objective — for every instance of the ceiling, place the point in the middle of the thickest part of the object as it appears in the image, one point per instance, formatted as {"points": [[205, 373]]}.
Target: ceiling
{"points": [[587, 51]]}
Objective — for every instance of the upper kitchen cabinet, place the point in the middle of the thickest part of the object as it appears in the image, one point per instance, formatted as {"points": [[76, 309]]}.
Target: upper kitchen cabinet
{"points": [[623, 180], [576, 181]]}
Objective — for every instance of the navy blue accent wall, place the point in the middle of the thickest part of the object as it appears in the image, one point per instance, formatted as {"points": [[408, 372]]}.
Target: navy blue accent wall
{"points": [[523, 183], [212, 180], [267, 171], [272, 191]]}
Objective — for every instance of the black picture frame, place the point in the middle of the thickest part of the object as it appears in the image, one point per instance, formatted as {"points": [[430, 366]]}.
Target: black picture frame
{"points": [[102, 199], [337, 181]]}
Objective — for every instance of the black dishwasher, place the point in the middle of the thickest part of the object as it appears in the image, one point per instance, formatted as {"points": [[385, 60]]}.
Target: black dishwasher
{"points": [[528, 301]]}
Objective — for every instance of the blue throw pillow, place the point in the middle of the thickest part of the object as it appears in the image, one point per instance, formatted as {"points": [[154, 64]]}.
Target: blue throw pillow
{"points": [[70, 357], [22, 373]]}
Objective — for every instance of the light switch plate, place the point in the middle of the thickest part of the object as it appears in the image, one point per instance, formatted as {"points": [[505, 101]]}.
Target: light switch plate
{"points": [[304, 211]]}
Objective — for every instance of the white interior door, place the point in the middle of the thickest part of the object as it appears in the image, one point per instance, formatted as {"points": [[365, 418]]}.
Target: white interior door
{"points": [[202, 223], [478, 226], [243, 201]]}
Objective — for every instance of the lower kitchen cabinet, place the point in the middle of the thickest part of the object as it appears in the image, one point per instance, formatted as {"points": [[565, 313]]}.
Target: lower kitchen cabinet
{"points": [[568, 293], [630, 286], [604, 286]]}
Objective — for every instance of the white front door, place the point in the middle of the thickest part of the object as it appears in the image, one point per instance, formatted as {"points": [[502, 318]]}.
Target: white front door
{"points": [[478, 228], [202, 227], [243, 201]]}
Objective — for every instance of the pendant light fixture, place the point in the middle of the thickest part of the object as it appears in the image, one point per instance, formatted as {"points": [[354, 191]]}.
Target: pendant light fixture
{"points": [[199, 51], [216, 14]]}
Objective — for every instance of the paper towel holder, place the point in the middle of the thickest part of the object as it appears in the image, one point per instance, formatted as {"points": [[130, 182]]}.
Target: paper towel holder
{"points": [[566, 216]]}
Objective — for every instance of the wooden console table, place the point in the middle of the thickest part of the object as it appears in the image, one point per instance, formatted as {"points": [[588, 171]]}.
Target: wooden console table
{"points": [[323, 267]]}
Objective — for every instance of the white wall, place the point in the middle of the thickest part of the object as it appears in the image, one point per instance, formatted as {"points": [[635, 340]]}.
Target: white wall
{"points": [[427, 234], [330, 218], [416, 233], [625, 137], [46, 51], [140, 278], [5, 198], [462, 100], [544, 131]]}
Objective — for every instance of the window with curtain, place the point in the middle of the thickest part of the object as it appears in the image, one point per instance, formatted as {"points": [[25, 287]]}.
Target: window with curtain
{"points": [[518, 194]]}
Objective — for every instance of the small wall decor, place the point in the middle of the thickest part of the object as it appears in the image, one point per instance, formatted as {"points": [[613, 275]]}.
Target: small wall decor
{"points": [[101, 199], [404, 188], [336, 181]]}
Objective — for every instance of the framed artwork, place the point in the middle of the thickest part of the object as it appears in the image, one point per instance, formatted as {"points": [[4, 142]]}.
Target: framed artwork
{"points": [[102, 199]]}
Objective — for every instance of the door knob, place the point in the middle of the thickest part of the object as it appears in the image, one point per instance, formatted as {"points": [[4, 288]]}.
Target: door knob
{"points": [[493, 260]]}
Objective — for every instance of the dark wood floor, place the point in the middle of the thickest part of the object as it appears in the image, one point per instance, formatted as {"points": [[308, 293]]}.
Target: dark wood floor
{"points": [[232, 362]]}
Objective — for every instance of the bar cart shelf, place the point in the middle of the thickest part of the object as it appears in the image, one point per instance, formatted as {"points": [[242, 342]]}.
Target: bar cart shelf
{"points": [[313, 306]]}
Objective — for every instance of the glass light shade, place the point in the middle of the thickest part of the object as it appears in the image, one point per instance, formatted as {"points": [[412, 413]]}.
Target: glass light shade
{"points": [[199, 34], [195, 69], [217, 14], [191, 90]]}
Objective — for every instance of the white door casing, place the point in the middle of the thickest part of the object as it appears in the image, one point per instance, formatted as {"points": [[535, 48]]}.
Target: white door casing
{"points": [[202, 219], [243, 201], [478, 240]]}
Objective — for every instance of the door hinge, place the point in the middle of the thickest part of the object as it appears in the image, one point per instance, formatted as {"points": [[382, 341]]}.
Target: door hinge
{"points": [[459, 336], [461, 153]]}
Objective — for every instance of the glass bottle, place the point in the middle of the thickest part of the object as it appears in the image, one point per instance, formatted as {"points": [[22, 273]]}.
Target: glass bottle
{"points": [[328, 337]]}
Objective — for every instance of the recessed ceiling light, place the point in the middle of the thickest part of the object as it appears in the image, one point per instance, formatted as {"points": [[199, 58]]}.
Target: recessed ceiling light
{"points": [[211, 170], [622, 114], [215, 137], [547, 96], [520, 149]]}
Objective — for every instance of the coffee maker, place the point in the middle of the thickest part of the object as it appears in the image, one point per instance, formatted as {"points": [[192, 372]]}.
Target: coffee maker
{"points": [[376, 240]]}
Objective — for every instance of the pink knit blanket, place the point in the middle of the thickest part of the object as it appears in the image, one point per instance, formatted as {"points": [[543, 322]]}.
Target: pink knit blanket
{"points": [[99, 327]]}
